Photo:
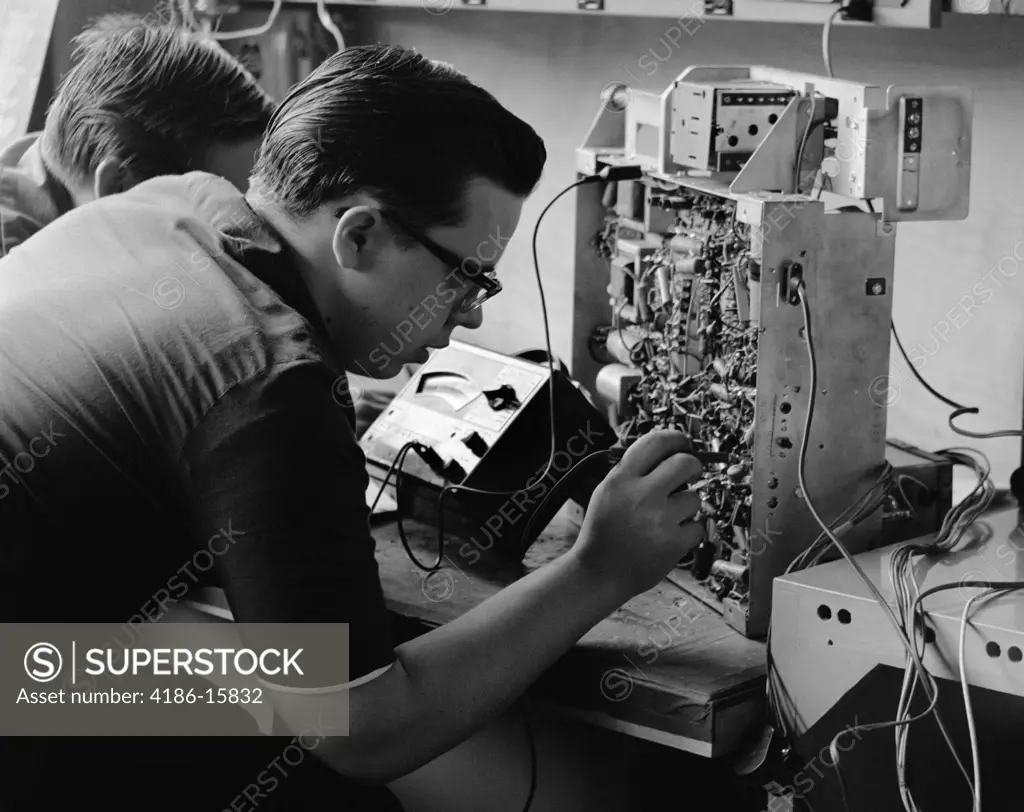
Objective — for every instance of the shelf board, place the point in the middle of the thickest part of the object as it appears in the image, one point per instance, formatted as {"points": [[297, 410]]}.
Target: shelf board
{"points": [[888, 13]]}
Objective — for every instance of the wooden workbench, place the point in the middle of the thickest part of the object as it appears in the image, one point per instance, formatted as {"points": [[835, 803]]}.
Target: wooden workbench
{"points": [[664, 667]]}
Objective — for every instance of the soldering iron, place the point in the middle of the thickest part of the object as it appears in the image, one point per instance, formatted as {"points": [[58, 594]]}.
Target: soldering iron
{"points": [[616, 452]]}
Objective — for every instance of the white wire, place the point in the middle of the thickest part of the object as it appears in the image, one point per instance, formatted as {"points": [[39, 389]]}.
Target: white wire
{"points": [[251, 32], [875, 592], [907, 590], [975, 755], [325, 20], [826, 40]]}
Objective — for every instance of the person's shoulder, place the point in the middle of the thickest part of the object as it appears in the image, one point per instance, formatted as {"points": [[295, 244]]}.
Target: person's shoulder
{"points": [[13, 155], [26, 202], [194, 193]]}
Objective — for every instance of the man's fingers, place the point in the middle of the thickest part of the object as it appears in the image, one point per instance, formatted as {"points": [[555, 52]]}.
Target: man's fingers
{"points": [[684, 506], [690, 535], [652, 449], [675, 473]]}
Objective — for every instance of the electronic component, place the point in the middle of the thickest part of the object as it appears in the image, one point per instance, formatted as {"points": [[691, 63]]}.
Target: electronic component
{"points": [[922, 497], [482, 421], [759, 129], [720, 357], [711, 254], [723, 125]]}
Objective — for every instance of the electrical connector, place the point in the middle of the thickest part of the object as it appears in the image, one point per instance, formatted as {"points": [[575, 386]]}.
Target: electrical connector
{"points": [[617, 173], [792, 280], [859, 10], [429, 456]]}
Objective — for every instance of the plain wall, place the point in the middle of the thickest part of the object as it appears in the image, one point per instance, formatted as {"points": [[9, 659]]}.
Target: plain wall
{"points": [[550, 69]]}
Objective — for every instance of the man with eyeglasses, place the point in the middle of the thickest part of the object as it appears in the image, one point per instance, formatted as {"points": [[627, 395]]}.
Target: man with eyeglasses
{"points": [[172, 370]]}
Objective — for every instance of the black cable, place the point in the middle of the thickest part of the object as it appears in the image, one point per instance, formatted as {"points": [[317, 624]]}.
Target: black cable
{"points": [[533, 761], [951, 403], [394, 464], [547, 343], [958, 408], [419, 449], [396, 469], [455, 489], [563, 485]]}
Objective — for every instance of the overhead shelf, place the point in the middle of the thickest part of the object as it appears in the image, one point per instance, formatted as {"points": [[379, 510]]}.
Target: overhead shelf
{"points": [[888, 13]]}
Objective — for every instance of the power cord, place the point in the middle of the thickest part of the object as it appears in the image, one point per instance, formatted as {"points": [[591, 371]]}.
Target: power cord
{"points": [[328, 22], [826, 39], [860, 10], [958, 408], [249, 32]]}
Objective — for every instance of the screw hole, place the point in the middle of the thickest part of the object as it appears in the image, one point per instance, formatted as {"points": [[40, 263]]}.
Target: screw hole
{"points": [[772, 118], [830, 642], [752, 129], [821, 445], [1014, 654], [785, 408], [844, 616], [733, 140], [824, 612], [992, 649]]}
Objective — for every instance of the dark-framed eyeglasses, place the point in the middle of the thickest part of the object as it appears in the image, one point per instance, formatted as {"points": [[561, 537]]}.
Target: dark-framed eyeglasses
{"points": [[482, 278]]}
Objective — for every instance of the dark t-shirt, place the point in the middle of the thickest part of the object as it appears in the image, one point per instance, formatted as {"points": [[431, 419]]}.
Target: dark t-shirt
{"points": [[164, 383]]}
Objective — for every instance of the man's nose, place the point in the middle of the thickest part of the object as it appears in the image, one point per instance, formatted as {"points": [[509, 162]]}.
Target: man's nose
{"points": [[470, 320]]}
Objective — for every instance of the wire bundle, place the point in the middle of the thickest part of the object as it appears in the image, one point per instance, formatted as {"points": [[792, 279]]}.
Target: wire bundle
{"points": [[865, 506], [959, 520], [907, 592]]}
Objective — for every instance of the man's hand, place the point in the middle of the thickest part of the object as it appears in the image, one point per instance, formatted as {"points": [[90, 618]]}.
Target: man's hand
{"points": [[638, 522], [448, 682]]}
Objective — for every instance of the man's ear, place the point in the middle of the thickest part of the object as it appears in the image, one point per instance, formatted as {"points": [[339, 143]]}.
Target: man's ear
{"points": [[359, 237], [112, 178]]}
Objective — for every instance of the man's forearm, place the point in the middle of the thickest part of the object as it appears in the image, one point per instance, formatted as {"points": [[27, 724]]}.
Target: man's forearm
{"points": [[448, 683]]}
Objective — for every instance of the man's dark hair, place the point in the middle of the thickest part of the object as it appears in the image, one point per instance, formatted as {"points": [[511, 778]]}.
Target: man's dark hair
{"points": [[151, 93], [389, 122]]}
